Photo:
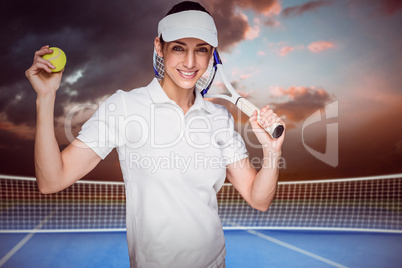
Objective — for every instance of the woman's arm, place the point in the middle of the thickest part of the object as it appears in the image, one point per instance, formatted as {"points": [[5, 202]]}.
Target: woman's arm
{"points": [[54, 170], [258, 188]]}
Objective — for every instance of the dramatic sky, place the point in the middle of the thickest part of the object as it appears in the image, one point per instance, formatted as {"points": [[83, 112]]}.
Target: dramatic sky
{"points": [[339, 60]]}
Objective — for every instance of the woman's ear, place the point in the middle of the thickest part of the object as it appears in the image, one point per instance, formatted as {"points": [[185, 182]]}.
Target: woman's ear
{"points": [[158, 46]]}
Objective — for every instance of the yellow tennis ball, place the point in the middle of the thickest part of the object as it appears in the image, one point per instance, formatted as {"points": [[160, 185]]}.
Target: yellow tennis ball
{"points": [[57, 58]]}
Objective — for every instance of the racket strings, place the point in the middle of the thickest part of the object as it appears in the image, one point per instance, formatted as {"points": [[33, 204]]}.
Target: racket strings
{"points": [[203, 83], [206, 79], [159, 66]]}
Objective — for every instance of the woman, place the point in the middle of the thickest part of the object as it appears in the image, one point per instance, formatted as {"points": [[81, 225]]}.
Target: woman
{"points": [[175, 149]]}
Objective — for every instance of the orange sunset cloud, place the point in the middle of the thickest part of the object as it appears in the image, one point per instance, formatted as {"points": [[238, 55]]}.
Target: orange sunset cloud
{"points": [[285, 50], [319, 46], [302, 101]]}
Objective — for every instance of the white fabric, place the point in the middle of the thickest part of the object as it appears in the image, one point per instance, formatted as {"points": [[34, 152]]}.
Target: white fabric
{"points": [[173, 165], [185, 24]]}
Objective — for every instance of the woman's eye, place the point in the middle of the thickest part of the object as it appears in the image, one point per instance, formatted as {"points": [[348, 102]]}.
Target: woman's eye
{"points": [[203, 49], [177, 48]]}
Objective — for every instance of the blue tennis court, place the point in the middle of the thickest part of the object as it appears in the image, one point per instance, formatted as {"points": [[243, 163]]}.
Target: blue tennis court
{"points": [[334, 223], [245, 248]]}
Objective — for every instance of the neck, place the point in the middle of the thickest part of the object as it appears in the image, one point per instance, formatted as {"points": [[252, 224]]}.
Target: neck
{"points": [[183, 97]]}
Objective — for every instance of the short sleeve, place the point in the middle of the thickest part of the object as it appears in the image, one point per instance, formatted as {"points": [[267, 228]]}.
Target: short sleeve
{"points": [[234, 148], [101, 132]]}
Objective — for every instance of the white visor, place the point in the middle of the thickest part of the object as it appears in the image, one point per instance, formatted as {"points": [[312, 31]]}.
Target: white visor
{"points": [[185, 24]]}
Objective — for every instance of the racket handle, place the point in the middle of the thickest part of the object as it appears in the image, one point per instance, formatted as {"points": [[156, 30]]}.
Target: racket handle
{"points": [[275, 131]]}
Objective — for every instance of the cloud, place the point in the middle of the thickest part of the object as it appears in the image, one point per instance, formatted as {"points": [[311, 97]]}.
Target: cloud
{"points": [[267, 7], [20, 131], [283, 49], [271, 22], [300, 101], [320, 46], [106, 50], [233, 25], [253, 31], [112, 48], [245, 76], [306, 7], [377, 10], [286, 50], [390, 7]]}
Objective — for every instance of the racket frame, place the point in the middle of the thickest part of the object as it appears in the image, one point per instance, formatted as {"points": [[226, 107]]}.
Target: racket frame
{"points": [[275, 130]]}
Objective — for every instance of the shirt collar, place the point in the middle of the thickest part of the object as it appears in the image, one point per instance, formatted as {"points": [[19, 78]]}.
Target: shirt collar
{"points": [[200, 102], [158, 95]]}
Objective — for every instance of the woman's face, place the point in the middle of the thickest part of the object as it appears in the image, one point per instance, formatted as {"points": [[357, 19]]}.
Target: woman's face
{"points": [[186, 60]]}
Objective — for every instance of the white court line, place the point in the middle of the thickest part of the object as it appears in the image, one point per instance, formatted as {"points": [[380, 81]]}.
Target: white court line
{"points": [[25, 239], [302, 251]]}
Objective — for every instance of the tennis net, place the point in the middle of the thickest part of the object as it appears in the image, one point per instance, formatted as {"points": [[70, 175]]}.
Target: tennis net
{"points": [[358, 204]]}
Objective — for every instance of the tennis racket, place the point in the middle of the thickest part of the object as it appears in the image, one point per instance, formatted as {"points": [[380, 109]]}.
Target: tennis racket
{"points": [[204, 83]]}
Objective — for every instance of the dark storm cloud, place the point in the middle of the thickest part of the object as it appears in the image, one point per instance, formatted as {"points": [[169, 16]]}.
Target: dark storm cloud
{"points": [[306, 7], [303, 101], [390, 7], [232, 26], [111, 41]]}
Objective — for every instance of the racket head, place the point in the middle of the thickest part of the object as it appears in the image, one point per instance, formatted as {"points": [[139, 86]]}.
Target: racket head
{"points": [[204, 82], [159, 66]]}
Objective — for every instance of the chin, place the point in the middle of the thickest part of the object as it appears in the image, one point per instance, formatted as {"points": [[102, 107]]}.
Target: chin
{"points": [[188, 84]]}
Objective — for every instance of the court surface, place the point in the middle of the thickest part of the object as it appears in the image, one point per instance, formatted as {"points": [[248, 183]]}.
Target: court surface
{"points": [[245, 248], [355, 222]]}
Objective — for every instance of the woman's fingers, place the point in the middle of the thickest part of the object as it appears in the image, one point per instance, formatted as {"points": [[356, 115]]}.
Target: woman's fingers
{"points": [[45, 63], [43, 51], [266, 117]]}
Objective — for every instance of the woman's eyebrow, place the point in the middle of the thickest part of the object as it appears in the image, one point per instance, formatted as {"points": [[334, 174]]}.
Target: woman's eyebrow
{"points": [[184, 44], [180, 43]]}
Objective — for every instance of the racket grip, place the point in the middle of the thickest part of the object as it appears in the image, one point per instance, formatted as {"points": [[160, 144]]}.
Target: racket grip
{"points": [[275, 130]]}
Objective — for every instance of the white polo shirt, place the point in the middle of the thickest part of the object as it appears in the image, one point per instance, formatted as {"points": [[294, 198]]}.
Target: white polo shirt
{"points": [[173, 165]]}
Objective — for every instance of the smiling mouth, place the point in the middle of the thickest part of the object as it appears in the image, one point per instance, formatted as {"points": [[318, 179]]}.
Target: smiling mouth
{"points": [[188, 74]]}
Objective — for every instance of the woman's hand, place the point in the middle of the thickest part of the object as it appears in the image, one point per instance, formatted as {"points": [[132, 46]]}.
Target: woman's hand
{"points": [[40, 75], [258, 123]]}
